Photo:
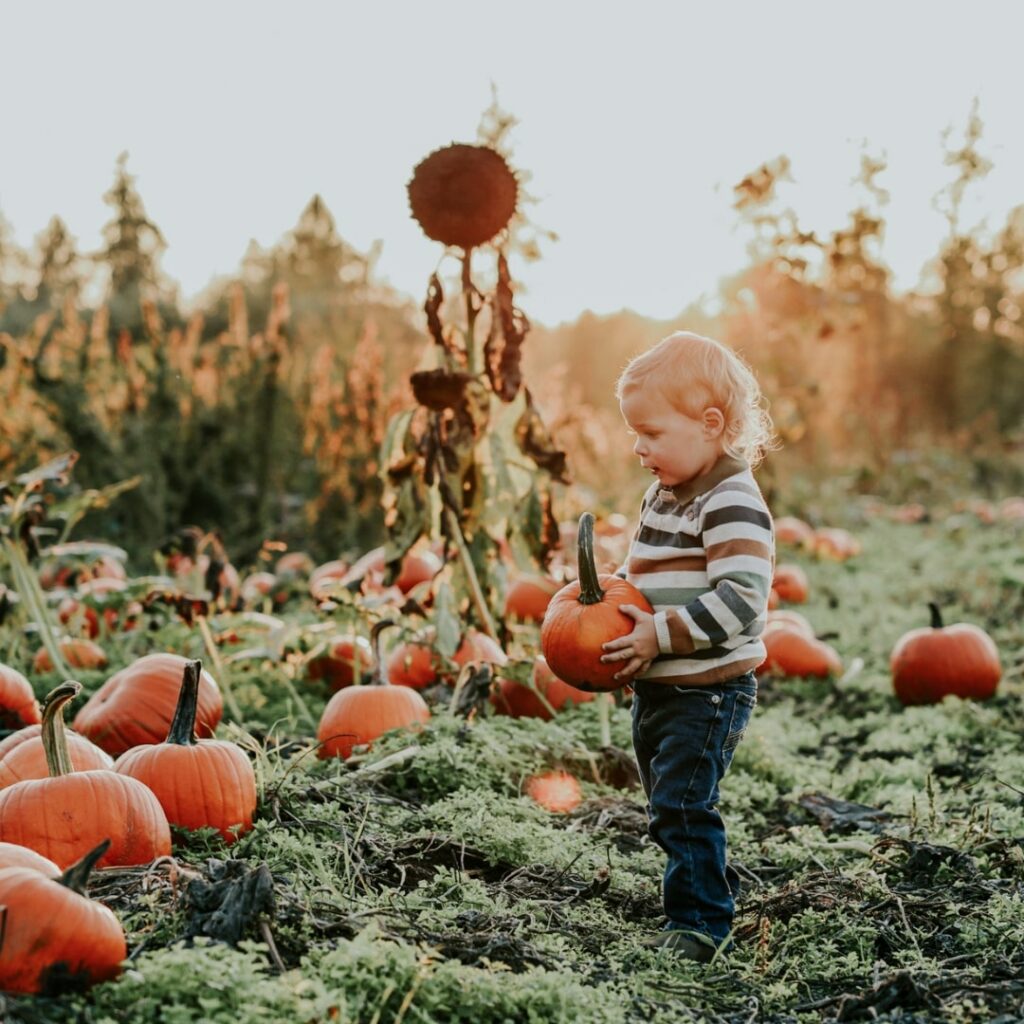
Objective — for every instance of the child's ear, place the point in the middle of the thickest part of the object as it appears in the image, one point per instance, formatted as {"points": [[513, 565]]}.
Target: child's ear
{"points": [[714, 422]]}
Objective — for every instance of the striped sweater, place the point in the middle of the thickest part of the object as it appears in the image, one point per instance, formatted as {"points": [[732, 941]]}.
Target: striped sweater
{"points": [[703, 555]]}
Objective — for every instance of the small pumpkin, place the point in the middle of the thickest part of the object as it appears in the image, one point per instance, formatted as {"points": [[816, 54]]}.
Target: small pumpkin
{"points": [[790, 651], [585, 614], [23, 756], [358, 715], [415, 568], [294, 564], [64, 816], [412, 664], [137, 704], [549, 694], [835, 544], [348, 657], [199, 783], [932, 662], [791, 584], [791, 530], [77, 652], [18, 705], [556, 791], [528, 597], [324, 578], [54, 936]]}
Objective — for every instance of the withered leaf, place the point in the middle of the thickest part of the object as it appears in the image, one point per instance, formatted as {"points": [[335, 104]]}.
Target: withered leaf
{"points": [[185, 605], [503, 355], [534, 440], [440, 389]]}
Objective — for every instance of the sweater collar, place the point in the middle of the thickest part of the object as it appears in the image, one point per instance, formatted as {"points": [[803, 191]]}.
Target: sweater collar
{"points": [[725, 467]]}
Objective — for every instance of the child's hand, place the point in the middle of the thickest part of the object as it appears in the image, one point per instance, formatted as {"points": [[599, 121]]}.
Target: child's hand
{"points": [[639, 648]]}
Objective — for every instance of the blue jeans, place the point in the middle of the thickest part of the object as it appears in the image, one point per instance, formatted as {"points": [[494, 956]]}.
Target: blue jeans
{"points": [[684, 738]]}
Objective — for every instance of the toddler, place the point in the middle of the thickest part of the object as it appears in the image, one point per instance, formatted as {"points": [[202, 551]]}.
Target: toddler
{"points": [[703, 555]]}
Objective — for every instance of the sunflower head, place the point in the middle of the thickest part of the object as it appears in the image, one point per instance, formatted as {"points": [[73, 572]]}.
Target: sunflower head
{"points": [[463, 195]]}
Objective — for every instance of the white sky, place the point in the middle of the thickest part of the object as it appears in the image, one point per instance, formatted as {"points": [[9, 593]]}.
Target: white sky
{"points": [[635, 119]]}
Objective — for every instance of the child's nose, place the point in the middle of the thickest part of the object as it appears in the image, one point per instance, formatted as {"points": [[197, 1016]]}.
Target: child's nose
{"points": [[639, 447]]}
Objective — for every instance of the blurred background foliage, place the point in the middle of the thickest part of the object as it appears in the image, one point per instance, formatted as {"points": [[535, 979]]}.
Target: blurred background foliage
{"points": [[260, 409]]}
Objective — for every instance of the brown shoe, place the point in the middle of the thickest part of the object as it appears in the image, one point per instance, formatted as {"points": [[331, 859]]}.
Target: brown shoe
{"points": [[688, 944]]}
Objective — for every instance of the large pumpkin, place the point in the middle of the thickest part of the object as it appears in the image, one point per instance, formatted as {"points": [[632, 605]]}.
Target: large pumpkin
{"points": [[66, 815], [358, 715], [14, 856], [585, 614], [54, 936], [199, 783], [137, 704], [932, 662], [18, 705]]}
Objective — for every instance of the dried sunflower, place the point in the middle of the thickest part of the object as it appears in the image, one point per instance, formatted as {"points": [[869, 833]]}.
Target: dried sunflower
{"points": [[463, 195]]}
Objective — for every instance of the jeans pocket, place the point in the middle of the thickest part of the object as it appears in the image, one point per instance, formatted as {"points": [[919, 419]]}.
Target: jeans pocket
{"points": [[742, 709]]}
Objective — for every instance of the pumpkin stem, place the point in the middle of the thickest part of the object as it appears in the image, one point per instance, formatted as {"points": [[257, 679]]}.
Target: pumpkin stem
{"points": [[380, 675], [936, 615], [76, 878], [183, 725], [590, 588], [55, 744]]}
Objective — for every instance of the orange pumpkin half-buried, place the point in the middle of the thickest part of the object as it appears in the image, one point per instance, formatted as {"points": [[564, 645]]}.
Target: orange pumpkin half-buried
{"points": [[932, 662], [199, 783], [18, 705], [585, 614], [54, 936]]}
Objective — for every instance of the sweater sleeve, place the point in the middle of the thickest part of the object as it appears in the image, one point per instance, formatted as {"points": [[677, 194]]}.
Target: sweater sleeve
{"points": [[737, 535]]}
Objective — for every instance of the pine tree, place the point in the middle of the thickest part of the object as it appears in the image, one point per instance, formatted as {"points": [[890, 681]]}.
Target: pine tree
{"points": [[132, 254], [58, 266]]}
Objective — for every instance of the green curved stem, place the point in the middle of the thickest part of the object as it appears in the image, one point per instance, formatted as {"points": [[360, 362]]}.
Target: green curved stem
{"points": [[55, 744], [590, 588]]}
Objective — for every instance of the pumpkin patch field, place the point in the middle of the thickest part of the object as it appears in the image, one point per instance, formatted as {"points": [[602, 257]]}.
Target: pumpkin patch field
{"points": [[488, 859]]}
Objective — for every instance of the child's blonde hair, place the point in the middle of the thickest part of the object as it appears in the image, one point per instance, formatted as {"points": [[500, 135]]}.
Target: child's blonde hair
{"points": [[694, 373]]}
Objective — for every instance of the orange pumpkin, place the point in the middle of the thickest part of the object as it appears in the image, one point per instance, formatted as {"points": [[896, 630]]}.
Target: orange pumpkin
{"points": [[260, 585], [930, 663], [66, 815], [22, 755], [358, 715], [412, 664], [415, 568], [137, 704], [555, 791], [518, 701], [477, 646], [346, 659], [835, 544], [585, 614], [790, 530], [790, 583], [14, 856], [528, 597], [17, 701], [78, 652], [294, 563], [791, 652], [53, 934], [199, 783]]}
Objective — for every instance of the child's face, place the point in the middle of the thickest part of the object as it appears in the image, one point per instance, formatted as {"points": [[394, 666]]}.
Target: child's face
{"points": [[672, 445]]}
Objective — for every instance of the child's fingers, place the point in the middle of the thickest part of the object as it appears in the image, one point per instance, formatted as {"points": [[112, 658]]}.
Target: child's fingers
{"points": [[617, 656], [634, 666], [617, 645]]}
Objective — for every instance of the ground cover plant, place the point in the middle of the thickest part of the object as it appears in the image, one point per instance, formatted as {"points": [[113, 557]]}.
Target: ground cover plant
{"points": [[881, 847]]}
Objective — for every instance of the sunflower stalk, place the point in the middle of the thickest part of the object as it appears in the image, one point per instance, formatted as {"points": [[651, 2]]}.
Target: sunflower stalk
{"points": [[26, 583]]}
